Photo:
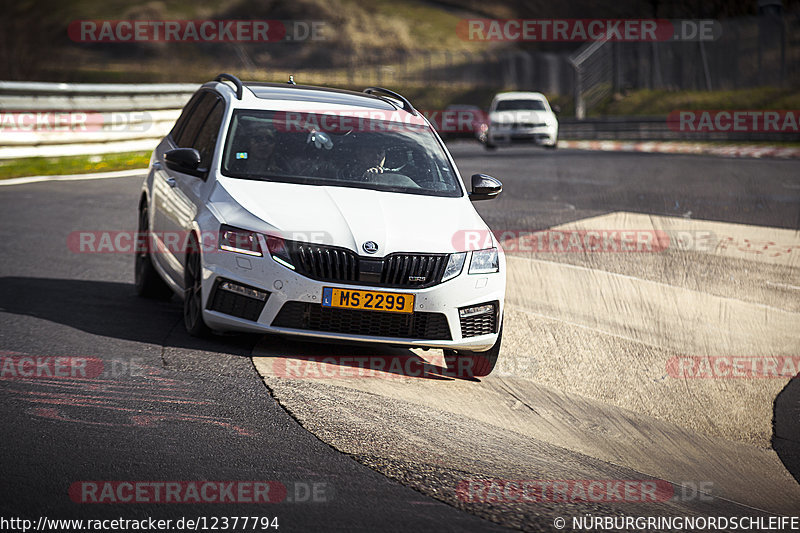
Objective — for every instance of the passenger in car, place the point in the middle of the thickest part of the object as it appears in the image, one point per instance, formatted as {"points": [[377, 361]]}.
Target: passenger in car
{"points": [[255, 152]]}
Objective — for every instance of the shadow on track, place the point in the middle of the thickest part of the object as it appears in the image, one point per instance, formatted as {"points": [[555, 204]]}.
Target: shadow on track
{"points": [[113, 309], [786, 427], [110, 309]]}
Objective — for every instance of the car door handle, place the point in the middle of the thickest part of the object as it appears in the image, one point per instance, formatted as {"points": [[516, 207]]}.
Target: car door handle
{"points": [[171, 182], [156, 166]]}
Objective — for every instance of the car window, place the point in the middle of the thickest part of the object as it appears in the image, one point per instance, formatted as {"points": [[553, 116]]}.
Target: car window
{"points": [[187, 111], [315, 149], [520, 105], [207, 137], [196, 118]]}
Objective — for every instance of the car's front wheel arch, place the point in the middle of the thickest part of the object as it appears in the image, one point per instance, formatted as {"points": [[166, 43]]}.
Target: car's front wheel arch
{"points": [[468, 364], [193, 288], [147, 280]]}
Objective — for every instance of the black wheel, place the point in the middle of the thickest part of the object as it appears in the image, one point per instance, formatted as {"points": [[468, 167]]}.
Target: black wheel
{"points": [[147, 280], [193, 293], [465, 364], [489, 146]]}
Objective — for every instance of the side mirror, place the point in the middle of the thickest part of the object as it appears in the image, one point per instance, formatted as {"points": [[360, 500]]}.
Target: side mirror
{"points": [[556, 109], [186, 160], [485, 187]]}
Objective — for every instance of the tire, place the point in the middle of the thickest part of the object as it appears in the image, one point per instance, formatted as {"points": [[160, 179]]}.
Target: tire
{"points": [[552, 146], [146, 279], [193, 293], [467, 364], [490, 146]]}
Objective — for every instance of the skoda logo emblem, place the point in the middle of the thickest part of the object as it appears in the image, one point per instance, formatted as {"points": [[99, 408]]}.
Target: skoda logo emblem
{"points": [[370, 247]]}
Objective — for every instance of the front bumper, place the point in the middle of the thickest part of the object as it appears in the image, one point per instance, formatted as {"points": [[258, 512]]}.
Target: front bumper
{"points": [[546, 136], [435, 322]]}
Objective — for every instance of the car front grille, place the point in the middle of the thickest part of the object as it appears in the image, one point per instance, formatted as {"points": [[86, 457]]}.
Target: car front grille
{"points": [[401, 270], [325, 263], [314, 317], [528, 125], [413, 270], [483, 324]]}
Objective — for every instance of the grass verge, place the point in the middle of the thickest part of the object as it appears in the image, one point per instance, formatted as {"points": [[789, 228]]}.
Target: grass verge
{"points": [[652, 102], [79, 164]]}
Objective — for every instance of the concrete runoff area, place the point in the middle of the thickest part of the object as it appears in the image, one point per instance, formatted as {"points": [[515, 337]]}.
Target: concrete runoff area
{"points": [[653, 323], [576, 396], [605, 357]]}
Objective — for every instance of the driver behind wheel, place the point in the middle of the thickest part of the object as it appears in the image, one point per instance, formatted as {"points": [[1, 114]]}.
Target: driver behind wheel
{"points": [[373, 159]]}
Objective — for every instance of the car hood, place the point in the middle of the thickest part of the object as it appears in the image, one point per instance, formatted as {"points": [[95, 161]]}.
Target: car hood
{"points": [[347, 217], [508, 117]]}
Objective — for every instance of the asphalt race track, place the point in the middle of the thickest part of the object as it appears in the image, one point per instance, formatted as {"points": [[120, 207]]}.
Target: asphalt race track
{"points": [[586, 388]]}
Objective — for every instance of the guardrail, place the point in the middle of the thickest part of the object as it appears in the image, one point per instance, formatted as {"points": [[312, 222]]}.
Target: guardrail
{"points": [[655, 129], [60, 119]]}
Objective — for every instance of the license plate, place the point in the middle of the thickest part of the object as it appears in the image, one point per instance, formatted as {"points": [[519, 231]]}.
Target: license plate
{"points": [[368, 300]]}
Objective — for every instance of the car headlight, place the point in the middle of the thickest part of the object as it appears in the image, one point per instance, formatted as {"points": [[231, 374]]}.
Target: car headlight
{"points": [[239, 240], [454, 265], [279, 251], [484, 261]]}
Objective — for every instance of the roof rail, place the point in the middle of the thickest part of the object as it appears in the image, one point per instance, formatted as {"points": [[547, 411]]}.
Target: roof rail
{"points": [[380, 92], [236, 81]]}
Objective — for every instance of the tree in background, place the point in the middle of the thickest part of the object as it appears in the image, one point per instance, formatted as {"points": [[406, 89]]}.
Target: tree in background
{"points": [[32, 33]]}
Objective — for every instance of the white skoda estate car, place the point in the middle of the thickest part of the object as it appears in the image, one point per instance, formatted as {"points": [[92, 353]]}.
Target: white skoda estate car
{"points": [[320, 213], [521, 117]]}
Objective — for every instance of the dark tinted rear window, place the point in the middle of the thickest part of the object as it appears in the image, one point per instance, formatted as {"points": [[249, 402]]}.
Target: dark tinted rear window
{"points": [[206, 140], [187, 111], [196, 118]]}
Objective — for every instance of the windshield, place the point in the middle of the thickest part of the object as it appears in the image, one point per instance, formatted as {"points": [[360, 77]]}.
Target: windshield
{"points": [[520, 105], [322, 149]]}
